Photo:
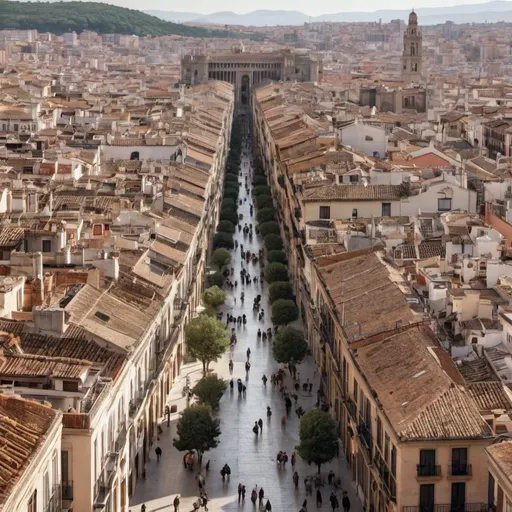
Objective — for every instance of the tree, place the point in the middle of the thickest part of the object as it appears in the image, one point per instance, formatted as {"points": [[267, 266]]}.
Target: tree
{"points": [[262, 190], [232, 180], [221, 256], [214, 296], [264, 202], [229, 214], [269, 227], [215, 279], [284, 311], [318, 438], [289, 346], [209, 390], [224, 226], [207, 339], [276, 256], [276, 272], [260, 181], [223, 240], [231, 193], [273, 242], [280, 290], [197, 430], [228, 202], [265, 215]]}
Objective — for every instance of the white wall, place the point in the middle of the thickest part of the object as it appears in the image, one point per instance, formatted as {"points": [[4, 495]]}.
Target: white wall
{"points": [[343, 209], [355, 136], [145, 152], [496, 269]]}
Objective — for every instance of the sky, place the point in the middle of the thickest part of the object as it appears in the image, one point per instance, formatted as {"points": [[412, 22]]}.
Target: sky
{"points": [[305, 6]]}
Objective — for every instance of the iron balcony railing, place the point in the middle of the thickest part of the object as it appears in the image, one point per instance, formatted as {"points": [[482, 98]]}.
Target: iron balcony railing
{"points": [[460, 469], [351, 408], [426, 470], [67, 490]]}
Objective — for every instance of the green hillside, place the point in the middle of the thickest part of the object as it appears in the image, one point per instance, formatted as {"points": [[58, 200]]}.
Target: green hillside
{"points": [[60, 17]]}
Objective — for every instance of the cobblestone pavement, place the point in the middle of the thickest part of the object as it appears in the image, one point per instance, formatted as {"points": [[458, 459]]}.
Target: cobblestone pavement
{"points": [[252, 458]]}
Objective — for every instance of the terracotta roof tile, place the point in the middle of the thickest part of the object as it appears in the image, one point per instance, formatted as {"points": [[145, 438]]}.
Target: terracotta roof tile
{"points": [[354, 193]]}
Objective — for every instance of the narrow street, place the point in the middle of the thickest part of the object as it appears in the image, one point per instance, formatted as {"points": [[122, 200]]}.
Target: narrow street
{"points": [[252, 458]]}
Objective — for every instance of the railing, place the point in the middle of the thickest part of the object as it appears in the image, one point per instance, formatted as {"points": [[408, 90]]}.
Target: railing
{"points": [[67, 490], [54, 502], [460, 469], [365, 434], [351, 408], [426, 470], [132, 407], [121, 439], [468, 507]]}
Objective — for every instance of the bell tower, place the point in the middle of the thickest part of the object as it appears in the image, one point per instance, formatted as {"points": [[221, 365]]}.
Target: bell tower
{"points": [[411, 56]]}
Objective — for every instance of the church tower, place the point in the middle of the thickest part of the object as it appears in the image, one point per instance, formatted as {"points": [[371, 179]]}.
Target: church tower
{"points": [[411, 57]]}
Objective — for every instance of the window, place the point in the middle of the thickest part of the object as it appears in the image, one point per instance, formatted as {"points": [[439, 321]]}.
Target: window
{"points": [[325, 212], [64, 465], [356, 390], [460, 461], [427, 465], [379, 432], [386, 448], [354, 213], [32, 502], [47, 246], [354, 178], [444, 205], [46, 489], [386, 209], [427, 492], [101, 316], [393, 460], [368, 138], [458, 497]]}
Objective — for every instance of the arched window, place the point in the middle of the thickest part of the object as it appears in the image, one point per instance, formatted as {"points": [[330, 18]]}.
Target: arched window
{"points": [[134, 155]]}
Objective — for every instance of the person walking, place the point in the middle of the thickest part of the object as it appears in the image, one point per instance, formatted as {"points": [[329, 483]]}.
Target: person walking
{"points": [[204, 501], [334, 501], [176, 503], [318, 499], [260, 424], [268, 506], [243, 493], [295, 479], [345, 502], [294, 459], [254, 496], [158, 452], [248, 354], [200, 481], [256, 429], [143, 508], [240, 486], [261, 495]]}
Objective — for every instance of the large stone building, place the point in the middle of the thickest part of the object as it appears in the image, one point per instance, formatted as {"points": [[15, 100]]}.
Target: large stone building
{"points": [[245, 70]]}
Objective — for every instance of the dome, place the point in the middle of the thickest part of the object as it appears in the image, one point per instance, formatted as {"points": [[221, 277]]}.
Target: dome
{"points": [[413, 18]]}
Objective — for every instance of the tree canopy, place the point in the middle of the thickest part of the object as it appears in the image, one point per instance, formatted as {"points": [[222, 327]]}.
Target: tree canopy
{"points": [[224, 240], [197, 430], [273, 242], [276, 272], [266, 215], [214, 296], [284, 311], [318, 438], [209, 390], [262, 190], [221, 257], [229, 214], [289, 346], [60, 17], [264, 201], [215, 279], [277, 256], [207, 339], [271, 227], [280, 290]]}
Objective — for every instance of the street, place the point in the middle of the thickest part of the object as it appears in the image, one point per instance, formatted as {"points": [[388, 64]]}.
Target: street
{"points": [[252, 458]]}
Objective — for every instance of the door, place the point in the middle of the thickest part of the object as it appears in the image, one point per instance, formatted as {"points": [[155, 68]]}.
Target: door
{"points": [[427, 497], [386, 209], [458, 497], [459, 461]]}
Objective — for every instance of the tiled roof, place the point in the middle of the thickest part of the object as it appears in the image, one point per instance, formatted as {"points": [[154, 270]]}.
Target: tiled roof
{"points": [[14, 365], [419, 398], [365, 295], [490, 396], [501, 454], [355, 193], [10, 236], [23, 425]]}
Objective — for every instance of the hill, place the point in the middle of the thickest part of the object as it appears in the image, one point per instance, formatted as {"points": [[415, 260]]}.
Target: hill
{"points": [[493, 11], [60, 17]]}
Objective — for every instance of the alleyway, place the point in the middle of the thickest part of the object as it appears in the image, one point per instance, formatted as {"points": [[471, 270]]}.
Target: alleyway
{"points": [[252, 458]]}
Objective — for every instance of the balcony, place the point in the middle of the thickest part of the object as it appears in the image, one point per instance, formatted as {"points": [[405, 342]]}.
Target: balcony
{"points": [[67, 493], [351, 408], [460, 469], [468, 507], [365, 434], [53, 504], [132, 408], [428, 471]]}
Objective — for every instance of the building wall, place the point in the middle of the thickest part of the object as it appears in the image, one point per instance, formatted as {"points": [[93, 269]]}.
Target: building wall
{"points": [[345, 209], [368, 139]]}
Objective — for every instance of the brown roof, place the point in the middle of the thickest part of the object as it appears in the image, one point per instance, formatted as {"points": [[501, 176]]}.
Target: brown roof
{"points": [[16, 365], [23, 425], [490, 396], [418, 397], [501, 454], [355, 193], [366, 298]]}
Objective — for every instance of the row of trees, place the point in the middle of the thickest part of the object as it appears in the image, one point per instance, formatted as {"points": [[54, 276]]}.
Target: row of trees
{"points": [[318, 431]]}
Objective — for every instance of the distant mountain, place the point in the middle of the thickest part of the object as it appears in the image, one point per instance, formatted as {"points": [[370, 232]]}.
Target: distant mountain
{"points": [[496, 10]]}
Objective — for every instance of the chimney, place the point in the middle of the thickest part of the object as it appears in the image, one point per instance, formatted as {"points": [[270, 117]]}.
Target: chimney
{"points": [[37, 265]]}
